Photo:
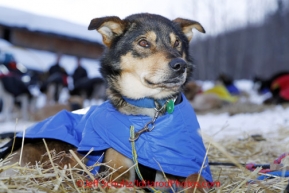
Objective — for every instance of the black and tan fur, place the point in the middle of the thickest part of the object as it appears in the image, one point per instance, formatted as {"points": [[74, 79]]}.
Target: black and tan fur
{"points": [[147, 56], [157, 71]]}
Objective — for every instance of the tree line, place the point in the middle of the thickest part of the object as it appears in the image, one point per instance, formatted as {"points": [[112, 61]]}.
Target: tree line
{"points": [[255, 50]]}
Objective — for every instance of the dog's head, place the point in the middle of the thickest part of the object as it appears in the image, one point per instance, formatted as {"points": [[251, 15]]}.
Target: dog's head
{"points": [[147, 54]]}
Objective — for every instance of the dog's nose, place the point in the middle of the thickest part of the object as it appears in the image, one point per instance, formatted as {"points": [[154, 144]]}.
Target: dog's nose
{"points": [[178, 65]]}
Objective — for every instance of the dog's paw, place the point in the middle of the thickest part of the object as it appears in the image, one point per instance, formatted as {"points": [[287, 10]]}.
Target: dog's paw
{"points": [[196, 184]]}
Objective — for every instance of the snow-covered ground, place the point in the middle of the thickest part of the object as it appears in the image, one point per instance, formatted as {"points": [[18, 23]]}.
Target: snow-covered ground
{"points": [[220, 126], [266, 123]]}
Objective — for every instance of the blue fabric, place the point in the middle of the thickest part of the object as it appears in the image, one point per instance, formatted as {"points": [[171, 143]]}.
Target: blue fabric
{"points": [[174, 143], [274, 173], [233, 89], [265, 91]]}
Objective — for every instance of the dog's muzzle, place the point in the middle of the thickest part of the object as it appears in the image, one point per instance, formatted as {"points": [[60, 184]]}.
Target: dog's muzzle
{"points": [[178, 65]]}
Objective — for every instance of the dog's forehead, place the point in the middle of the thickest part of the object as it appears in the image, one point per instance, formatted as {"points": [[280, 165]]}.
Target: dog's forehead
{"points": [[152, 22]]}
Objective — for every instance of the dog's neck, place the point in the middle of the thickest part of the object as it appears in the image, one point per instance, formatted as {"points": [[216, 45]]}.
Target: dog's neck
{"points": [[145, 102], [145, 106]]}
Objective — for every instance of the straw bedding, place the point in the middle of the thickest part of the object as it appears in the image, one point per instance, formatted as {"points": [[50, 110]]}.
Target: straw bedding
{"points": [[247, 149], [48, 177]]}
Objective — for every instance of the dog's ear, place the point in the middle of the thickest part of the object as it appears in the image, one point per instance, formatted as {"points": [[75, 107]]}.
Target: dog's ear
{"points": [[108, 27], [188, 25]]}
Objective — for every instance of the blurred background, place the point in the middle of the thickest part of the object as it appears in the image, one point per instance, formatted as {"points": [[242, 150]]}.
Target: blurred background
{"points": [[243, 39]]}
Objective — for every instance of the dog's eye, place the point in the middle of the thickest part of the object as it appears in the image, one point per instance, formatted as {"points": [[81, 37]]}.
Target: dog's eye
{"points": [[177, 43], [144, 43]]}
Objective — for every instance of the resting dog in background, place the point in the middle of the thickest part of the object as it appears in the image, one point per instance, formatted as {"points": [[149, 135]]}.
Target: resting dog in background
{"points": [[277, 85], [201, 101], [90, 89], [146, 65]]}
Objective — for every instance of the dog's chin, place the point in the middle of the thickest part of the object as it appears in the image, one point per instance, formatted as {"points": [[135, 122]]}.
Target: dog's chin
{"points": [[172, 84]]}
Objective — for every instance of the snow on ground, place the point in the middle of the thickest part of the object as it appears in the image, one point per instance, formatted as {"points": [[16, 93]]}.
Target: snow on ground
{"points": [[220, 126], [266, 123]]}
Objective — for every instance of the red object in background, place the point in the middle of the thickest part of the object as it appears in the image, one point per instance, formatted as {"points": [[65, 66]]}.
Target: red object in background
{"points": [[12, 65], [282, 83], [279, 159]]}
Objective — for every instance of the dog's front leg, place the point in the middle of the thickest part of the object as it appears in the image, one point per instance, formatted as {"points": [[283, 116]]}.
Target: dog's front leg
{"points": [[197, 184], [120, 164], [36, 152]]}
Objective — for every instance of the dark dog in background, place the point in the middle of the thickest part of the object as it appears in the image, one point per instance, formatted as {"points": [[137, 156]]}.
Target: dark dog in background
{"points": [[277, 85], [52, 85], [147, 57], [90, 88]]}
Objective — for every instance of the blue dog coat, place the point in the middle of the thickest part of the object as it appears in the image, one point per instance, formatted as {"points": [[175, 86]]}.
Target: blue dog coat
{"points": [[174, 143]]}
